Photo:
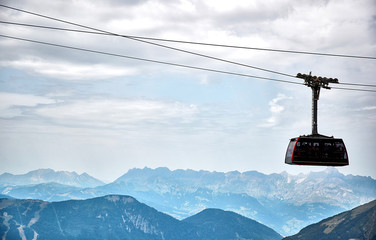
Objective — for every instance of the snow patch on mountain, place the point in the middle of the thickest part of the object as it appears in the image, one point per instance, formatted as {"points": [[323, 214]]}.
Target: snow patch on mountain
{"points": [[113, 198]]}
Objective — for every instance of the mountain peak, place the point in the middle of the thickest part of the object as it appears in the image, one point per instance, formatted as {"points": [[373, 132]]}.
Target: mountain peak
{"points": [[42, 171], [230, 225], [331, 170]]}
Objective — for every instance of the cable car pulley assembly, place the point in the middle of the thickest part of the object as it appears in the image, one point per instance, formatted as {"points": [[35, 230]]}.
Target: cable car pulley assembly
{"points": [[316, 149]]}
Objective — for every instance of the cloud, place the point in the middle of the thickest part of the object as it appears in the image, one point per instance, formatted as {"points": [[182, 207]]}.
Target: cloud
{"points": [[11, 104], [317, 25], [115, 113], [369, 108], [68, 71], [276, 108], [96, 112]]}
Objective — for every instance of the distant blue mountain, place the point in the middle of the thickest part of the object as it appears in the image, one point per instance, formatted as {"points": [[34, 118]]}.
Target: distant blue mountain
{"points": [[49, 175], [45, 191], [284, 202], [328, 186], [119, 217]]}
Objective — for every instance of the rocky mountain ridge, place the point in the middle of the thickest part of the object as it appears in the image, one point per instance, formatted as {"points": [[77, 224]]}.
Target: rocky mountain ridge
{"points": [[329, 186], [39, 176]]}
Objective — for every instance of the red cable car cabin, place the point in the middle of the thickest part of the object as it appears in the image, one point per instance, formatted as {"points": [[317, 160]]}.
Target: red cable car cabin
{"points": [[317, 150]]}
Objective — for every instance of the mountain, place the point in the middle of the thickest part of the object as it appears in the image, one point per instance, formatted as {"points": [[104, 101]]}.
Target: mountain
{"points": [[49, 175], [283, 202], [229, 225], [115, 217], [330, 186], [359, 223], [45, 191]]}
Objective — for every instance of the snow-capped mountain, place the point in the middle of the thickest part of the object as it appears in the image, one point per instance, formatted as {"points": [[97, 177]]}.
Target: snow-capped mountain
{"points": [[48, 175]]}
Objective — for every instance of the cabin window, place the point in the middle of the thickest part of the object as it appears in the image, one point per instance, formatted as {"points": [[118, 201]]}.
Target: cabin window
{"points": [[290, 149]]}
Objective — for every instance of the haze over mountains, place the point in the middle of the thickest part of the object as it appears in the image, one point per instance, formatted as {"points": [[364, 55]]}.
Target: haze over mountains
{"points": [[284, 202]]}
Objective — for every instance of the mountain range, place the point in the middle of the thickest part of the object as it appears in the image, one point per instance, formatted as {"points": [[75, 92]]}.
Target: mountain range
{"points": [[284, 202], [48, 175], [119, 217]]}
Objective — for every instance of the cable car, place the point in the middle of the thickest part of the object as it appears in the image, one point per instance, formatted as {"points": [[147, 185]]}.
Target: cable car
{"points": [[316, 149]]}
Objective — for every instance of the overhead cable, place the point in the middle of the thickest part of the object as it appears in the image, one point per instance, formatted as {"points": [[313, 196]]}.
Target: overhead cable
{"points": [[171, 64], [100, 33], [201, 43], [147, 42], [358, 84], [354, 89], [168, 63], [135, 38], [149, 60]]}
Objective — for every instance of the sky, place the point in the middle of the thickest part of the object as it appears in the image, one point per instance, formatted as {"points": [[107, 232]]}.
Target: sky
{"points": [[87, 112]]}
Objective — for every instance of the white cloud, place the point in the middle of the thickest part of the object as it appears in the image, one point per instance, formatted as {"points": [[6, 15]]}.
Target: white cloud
{"points": [[68, 71], [276, 107], [369, 108]]}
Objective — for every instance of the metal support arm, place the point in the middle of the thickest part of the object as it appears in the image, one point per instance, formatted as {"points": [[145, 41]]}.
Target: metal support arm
{"points": [[316, 83], [315, 98]]}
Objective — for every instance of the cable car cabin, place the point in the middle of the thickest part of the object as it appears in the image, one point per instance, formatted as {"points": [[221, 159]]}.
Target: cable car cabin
{"points": [[317, 150]]}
